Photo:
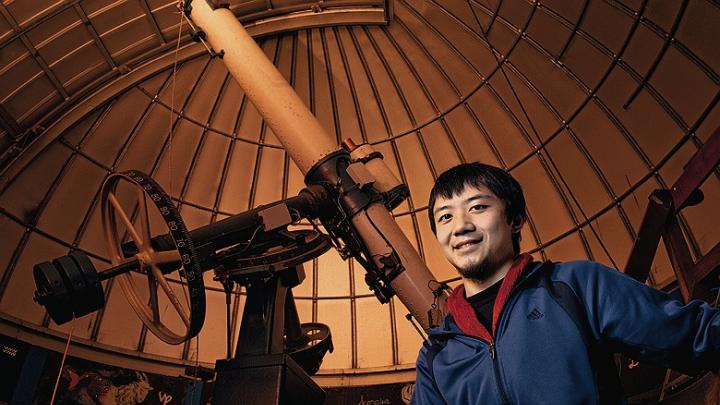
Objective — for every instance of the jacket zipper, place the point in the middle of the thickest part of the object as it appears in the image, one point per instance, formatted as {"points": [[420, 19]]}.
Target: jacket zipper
{"points": [[493, 352], [491, 344], [498, 382]]}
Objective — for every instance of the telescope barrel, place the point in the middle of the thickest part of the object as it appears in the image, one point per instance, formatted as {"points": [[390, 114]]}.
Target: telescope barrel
{"points": [[308, 144], [293, 124]]}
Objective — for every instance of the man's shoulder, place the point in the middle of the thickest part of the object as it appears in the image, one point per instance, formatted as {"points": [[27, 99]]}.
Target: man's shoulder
{"points": [[586, 273], [581, 267], [447, 328], [569, 269]]}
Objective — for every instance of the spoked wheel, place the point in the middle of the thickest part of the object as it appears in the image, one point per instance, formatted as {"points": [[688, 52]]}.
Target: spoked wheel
{"points": [[182, 297]]}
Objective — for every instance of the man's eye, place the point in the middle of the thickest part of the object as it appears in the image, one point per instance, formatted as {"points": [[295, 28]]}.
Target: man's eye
{"points": [[478, 207], [444, 218]]}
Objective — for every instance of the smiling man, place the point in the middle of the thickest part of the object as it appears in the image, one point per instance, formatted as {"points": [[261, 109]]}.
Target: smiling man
{"points": [[526, 332]]}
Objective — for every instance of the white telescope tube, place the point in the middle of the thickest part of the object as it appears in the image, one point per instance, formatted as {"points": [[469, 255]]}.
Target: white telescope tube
{"points": [[307, 142], [292, 122]]}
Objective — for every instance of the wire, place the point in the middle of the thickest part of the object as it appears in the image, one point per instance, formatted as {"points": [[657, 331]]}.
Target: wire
{"points": [[186, 291], [252, 237], [62, 362], [180, 5], [409, 317], [441, 287], [228, 316], [387, 242], [192, 26], [197, 360]]}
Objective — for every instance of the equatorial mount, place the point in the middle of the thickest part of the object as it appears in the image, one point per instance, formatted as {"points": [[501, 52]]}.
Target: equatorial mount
{"points": [[158, 270], [348, 191]]}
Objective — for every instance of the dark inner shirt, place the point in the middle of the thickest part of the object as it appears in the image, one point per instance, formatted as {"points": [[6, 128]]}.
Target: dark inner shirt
{"points": [[482, 303]]}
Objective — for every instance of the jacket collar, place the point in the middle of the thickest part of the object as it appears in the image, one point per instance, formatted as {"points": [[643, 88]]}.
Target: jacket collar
{"points": [[463, 313]]}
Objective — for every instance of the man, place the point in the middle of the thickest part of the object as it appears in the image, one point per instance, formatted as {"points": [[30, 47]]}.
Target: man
{"points": [[523, 332]]}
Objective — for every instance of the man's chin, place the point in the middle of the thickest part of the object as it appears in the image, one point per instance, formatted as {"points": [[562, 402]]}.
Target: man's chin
{"points": [[473, 271]]}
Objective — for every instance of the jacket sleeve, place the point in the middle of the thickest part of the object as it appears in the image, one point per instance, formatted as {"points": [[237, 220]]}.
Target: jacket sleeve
{"points": [[644, 323], [426, 391]]}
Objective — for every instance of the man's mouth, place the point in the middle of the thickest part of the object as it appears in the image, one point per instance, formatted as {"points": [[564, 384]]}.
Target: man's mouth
{"points": [[466, 244]]}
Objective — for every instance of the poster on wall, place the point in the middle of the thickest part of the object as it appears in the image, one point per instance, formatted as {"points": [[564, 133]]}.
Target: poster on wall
{"points": [[85, 382]]}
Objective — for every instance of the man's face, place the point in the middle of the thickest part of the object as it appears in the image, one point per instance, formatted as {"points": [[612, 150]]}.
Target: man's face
{"points": [[474, 232]]}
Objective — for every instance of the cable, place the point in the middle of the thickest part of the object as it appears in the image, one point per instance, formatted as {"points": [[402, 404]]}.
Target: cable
{"points": [[409, 317], [252, 237], [387, 242], [62, 362], [180, 6], [442, 286], [197, 360]]}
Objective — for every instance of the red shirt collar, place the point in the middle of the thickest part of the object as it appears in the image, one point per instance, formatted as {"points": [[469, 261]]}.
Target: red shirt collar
{"points": [[464, 314]]}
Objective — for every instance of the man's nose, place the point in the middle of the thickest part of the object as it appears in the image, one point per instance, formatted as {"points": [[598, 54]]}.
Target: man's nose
{"points": [[463, 224]]}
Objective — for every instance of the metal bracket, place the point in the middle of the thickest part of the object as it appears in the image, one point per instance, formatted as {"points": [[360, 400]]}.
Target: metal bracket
{"points": [[197, 34], [216, 5], [274, 217], [187, 8]]}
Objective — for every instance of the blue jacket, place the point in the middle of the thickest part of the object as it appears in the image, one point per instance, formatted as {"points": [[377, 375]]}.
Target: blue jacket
{"points": [[539, 355]]}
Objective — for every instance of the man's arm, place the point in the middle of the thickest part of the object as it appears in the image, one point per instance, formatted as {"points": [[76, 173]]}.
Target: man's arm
{"points": [[645, 323], [426, 390]]}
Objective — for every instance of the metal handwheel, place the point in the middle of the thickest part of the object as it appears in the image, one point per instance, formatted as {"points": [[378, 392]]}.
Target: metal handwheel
{"points": [[154, 264]]}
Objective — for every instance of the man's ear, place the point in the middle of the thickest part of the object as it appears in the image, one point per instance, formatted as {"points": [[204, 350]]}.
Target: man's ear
{"points": [[517, 224]]}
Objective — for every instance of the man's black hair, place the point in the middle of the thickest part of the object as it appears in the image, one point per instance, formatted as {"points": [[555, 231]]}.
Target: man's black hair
{"points": [[500, 182]]}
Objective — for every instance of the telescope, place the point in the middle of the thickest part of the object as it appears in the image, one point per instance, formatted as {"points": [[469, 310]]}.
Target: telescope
{"points": [[349, 192]]}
